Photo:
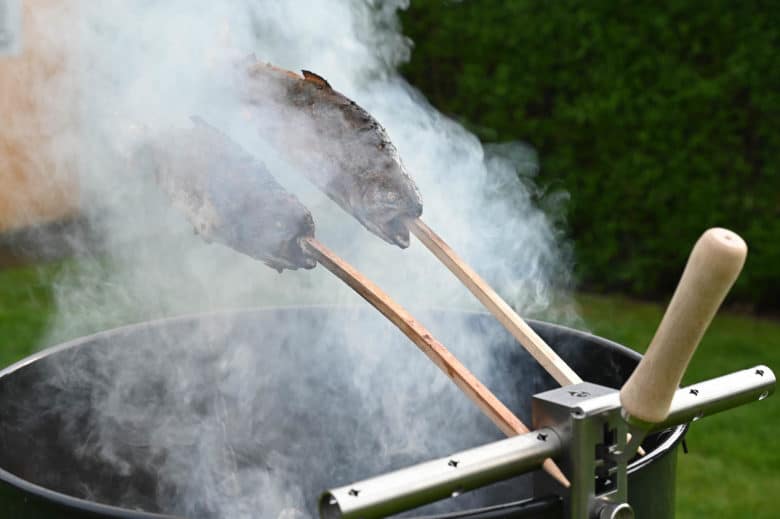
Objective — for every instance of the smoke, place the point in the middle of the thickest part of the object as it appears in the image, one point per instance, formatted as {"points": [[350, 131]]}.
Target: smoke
{"points": [[142, 67]]}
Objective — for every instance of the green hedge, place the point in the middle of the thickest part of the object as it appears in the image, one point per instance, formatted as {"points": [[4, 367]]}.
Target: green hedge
{"points": [[660, 118]]}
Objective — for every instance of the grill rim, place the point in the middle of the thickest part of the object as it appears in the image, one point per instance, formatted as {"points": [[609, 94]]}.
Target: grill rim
{"points": [[664, 448]]}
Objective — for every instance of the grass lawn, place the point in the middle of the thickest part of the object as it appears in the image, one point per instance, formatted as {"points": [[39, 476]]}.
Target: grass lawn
{"points": [[733, 468], [25, 307]]}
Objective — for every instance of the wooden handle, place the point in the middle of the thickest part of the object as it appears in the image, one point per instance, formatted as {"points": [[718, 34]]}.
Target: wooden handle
{"points": [[515, 324], [487, 402], [712, 268]]}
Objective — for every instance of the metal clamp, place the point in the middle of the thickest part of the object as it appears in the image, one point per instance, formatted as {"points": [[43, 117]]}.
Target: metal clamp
{"points": [[589, 419], [594, 428]]}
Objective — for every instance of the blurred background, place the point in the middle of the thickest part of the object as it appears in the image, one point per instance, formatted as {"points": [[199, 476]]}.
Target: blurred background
{"points": [[652, 120]]}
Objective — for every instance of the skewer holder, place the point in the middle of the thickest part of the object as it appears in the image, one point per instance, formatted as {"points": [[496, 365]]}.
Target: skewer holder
{"points": [[580, 426]]}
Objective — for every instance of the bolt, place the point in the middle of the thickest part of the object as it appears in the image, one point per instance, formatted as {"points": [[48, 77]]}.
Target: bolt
{"points": [[760, 372], [354, 492], [453, 463], [542, 437], [616, 511], [694, 392]]}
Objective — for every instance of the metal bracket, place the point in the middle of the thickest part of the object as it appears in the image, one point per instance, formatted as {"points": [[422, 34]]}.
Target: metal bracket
{"points": [[587, 416]]}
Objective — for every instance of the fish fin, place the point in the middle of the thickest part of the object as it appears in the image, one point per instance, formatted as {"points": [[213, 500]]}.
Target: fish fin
{"points": [[280, 70], [274, 265], [200, 122], [203, 125], [308, 75]]}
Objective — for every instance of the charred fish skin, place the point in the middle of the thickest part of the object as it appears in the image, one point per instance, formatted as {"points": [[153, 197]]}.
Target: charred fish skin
{"points": [[231, 198], [360, 168]]}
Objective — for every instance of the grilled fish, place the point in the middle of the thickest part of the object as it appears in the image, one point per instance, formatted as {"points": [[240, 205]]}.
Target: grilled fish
{"points": [[229, 197], [344, 151]]}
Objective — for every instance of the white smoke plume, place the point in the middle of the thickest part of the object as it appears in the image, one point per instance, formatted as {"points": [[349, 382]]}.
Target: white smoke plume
{"points": [[143, 67], [153, 64]]}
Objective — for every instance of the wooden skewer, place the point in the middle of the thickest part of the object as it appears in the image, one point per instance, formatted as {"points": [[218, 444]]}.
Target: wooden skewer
{"points": [[515, 324], [487, 402]]}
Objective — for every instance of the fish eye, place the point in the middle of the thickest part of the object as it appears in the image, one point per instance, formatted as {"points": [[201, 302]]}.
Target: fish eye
{"points": [[390, 196]]}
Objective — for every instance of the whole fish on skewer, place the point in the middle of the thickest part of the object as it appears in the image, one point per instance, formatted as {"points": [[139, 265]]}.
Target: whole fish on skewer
{"points": [[229, 197], [361, 170], [344, 150]]}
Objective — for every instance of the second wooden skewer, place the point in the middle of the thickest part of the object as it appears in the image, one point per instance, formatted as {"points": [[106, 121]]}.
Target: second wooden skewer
{"points": [[516, 325], [487, 402]]}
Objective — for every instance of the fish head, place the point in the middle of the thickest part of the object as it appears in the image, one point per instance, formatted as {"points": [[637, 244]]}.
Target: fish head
{"points": [[272, 233], [229, 197], [289, 229], [388, 200]]}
